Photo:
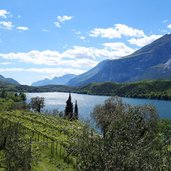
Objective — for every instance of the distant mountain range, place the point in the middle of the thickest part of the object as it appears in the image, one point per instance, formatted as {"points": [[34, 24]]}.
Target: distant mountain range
{"points": [[55, 81], [150, 62], [8, 80]]}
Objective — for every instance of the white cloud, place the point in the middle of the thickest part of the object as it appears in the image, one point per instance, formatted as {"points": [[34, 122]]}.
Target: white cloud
{"points": [[7, 25], [70, 58], [117, 31], [119, 49], [5, 63], [50, 71], [61, 20], [57, 24], [3, 13], [144, 41], [82, 38], [169, 26], [22, 28], [11, 69], [80, 52], [76, 57]]}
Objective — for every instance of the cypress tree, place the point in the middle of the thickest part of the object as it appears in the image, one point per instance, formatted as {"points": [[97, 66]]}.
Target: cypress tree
{"points": [[69, 108], [76, 111]]}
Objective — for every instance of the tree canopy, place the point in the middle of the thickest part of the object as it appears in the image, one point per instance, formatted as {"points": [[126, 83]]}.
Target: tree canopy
{"points": [[37, 103], [133, 139]]}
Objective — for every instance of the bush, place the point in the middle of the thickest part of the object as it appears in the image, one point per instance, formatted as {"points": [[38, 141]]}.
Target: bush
{"points": [[133, 140]]}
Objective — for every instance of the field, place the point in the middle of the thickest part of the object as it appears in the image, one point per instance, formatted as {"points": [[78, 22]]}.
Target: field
{"points": [[49, 136]]}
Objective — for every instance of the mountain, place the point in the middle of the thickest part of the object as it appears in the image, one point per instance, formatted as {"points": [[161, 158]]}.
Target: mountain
{"points": [[150, 62], [8, 80], [55, 81]]}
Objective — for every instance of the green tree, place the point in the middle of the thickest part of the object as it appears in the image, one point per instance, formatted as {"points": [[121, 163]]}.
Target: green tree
{"points": [[22, 96], [3, 93], [76, 111], [37, 103], [105, 114], [16, 154], [69, 108], [133, 141]]}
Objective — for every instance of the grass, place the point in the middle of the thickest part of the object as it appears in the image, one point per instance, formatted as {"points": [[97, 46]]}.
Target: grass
{"points": [[50, 137]]}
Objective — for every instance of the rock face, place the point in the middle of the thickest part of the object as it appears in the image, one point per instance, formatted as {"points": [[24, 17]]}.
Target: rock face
{"points": [[55, 81], [8, 80], [150, 62]]}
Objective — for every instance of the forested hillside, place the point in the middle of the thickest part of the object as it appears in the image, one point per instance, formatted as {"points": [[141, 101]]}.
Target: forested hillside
{"points": [[129, 137], [145, 89]]}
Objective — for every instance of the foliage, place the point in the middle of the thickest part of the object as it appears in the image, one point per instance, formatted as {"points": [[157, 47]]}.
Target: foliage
{"points": [[154, 89], [135, 140], [76, 111], [69, 108], [159, 89], [37, 103], [12, 101], [16, 148], [51, 137]]}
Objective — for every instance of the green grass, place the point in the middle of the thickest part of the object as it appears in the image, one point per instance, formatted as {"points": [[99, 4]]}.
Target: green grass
{"points": [[50, 137], [47, 163]]}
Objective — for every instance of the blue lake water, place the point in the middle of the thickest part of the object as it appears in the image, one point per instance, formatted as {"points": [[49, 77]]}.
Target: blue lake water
{"points": [[86, 103]]}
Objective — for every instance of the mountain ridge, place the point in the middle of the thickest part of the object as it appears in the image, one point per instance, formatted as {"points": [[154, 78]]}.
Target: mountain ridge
{"points": [[55, 81], [8, 80], [140, 65]]}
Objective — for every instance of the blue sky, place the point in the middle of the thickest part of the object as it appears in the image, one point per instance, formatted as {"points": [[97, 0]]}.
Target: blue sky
{"points": [[46, 38]]}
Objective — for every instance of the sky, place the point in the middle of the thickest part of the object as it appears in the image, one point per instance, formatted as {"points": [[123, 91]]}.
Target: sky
{"points": [[47, 38]]}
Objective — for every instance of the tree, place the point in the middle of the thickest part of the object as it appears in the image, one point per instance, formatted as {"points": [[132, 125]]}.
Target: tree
{"points": [[69, 108], [3, 93], [133, 140], [37, 103], [22, 96], [106, 113], [76, 111]]}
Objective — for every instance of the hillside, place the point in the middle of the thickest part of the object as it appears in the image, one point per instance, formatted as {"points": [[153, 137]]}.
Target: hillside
{"points": [[150, 62], [145, 89], [154, 89], [33, 141], [55, 81], [50, 137], [8, 80]]}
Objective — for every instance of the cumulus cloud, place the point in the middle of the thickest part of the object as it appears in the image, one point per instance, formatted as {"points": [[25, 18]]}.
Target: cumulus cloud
{"points": [[7, 25], [76, 57], [119, 49], [3, 13], [169, 26], [144, 40], [117, 31], [22, 28], [61, 20], [70, 58], [49, 71]]}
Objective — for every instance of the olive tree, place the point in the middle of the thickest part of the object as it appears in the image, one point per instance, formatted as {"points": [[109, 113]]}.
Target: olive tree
{"points": [[37, 103], [132, 140]]}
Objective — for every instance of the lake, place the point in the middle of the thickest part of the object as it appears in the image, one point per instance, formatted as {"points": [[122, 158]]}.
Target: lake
{"points": [[86, 103]]}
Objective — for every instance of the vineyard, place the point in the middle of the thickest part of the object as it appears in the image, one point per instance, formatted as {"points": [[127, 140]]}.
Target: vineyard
{"points": [[49, 138]]}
